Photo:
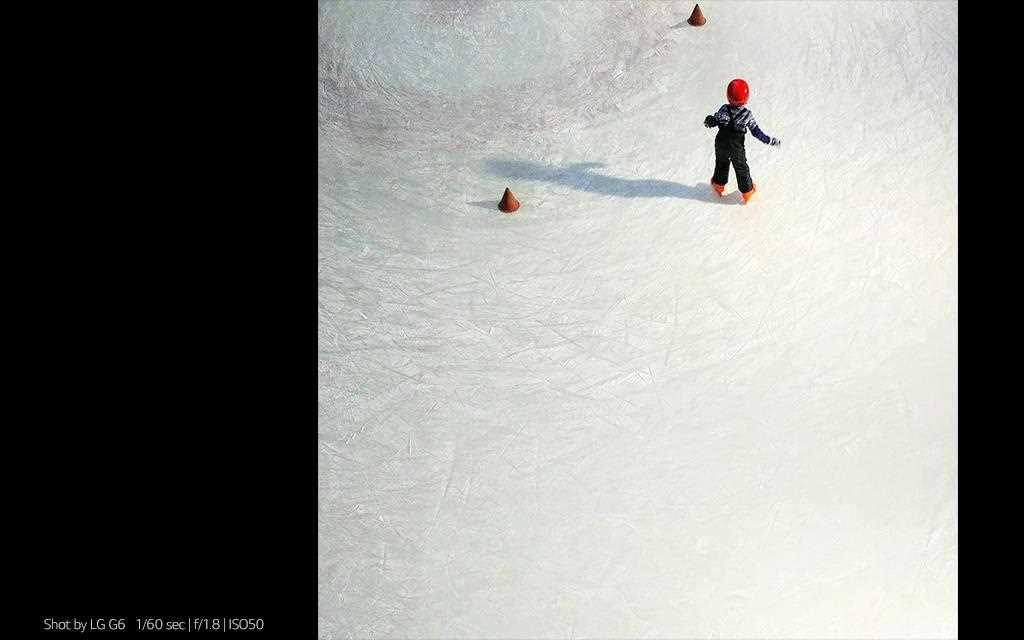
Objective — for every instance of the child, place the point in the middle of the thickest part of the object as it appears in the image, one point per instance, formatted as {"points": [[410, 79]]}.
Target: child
{"points": [[733, 120]]}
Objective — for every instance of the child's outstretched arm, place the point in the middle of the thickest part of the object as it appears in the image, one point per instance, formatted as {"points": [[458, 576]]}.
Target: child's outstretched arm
{"points": [[762, 136]]}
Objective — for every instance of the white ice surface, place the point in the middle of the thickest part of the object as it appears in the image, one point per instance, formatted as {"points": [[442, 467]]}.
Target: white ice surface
{"points": [[631, 409]]}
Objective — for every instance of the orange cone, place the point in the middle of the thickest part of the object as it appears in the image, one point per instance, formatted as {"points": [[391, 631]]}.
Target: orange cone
{"points": [[697, 18], [508, 202]]}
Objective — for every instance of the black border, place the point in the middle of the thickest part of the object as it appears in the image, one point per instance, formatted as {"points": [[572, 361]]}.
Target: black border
{"points": [[165, 321]]}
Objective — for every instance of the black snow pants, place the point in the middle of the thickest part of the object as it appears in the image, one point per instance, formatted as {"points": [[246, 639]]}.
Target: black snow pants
{"points": [[729, 147]]}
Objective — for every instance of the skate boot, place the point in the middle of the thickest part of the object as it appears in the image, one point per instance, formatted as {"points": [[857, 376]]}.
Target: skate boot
{"points": [[719, 188], [750, 194]]}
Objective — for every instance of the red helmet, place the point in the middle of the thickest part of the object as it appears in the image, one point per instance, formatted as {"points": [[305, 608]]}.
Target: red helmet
{"points": [[738, 92]]}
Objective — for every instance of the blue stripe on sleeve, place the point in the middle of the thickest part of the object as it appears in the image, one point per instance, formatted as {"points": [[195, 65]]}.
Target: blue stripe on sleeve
{"points": [[722, 115], [760, 135]]}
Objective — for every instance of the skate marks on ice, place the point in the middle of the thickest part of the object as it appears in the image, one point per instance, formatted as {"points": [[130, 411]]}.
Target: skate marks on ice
{"points": [[418, 76], [581, 176]]}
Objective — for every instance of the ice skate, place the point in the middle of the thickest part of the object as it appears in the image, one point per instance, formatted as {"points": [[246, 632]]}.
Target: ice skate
{"points": [[750, 194]]}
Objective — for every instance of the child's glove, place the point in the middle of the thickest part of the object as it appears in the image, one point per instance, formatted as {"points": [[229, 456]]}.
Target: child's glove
{"points": [[710, 122], [775, 142]]}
